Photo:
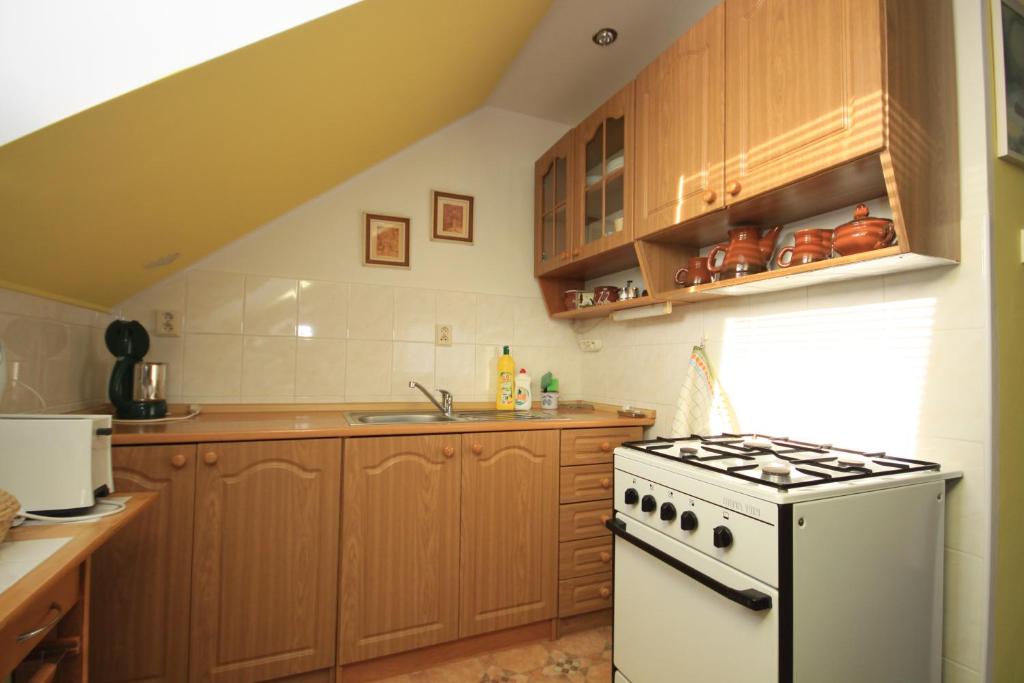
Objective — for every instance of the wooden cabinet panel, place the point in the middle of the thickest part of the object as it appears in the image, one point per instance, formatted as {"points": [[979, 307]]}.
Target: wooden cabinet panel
{"points": [[594, 446], [509, 527], [781, 128], [585, 482], [141, 579], [580, 558], [400, 544], [584, 594], [64, 593], [554, 208], [265, 559], [680, 129], [584, 520]]}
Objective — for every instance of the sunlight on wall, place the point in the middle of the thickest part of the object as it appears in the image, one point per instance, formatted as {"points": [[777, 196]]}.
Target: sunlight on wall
{"points": [[816, 372]]}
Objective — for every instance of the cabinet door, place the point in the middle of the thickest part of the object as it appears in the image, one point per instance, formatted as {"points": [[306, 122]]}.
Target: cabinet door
{"points": [[399, 545], [680, 129], [602, 163], [139, 608], [553, 208], [266, 559], [509, 529], [803, 89]]}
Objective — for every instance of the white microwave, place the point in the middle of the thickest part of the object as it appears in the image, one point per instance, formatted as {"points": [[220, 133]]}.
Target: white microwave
{"points": [[56, 464]]}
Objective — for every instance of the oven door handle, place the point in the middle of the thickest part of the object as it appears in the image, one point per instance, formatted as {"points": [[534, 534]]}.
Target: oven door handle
{"points": [[752, 599]]}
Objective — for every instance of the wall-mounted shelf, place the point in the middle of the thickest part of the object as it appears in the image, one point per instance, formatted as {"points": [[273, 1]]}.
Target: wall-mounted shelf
{"points": [[605, 310]]}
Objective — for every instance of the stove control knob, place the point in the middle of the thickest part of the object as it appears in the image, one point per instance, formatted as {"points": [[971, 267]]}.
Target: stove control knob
{"points": [[648, 504], [688, 521], [632, 497], [668, 512], [723, 537]]}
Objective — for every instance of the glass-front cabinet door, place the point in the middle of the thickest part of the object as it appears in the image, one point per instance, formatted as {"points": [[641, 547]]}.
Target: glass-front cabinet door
{"points": [[604, 147], [553, 207]]}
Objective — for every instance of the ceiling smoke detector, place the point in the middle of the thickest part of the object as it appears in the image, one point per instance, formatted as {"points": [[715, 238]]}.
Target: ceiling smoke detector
{"points": [[605, 37], [165, 260]]}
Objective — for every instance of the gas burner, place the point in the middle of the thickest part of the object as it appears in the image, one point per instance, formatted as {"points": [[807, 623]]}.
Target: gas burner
{"points": [[757, 442], [851, 460], [777, 467]]}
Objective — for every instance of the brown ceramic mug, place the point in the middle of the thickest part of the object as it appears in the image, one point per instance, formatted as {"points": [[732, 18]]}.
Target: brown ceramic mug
{"points": [[809, 245], [695, 273]]}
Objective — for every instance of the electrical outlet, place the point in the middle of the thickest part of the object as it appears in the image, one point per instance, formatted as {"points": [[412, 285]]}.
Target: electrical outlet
{"points": [[168, 324], [443, 335], [590, 345]]}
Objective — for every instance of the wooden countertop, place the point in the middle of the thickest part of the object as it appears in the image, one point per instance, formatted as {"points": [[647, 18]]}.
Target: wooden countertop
{"points": [[256, 425], [85, 537]]}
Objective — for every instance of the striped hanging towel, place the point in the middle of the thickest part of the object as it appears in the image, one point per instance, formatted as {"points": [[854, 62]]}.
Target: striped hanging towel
{"points": [[703, 407]]}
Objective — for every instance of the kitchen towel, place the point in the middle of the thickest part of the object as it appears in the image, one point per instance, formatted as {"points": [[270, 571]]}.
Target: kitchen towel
{"points": [[703, 407]]}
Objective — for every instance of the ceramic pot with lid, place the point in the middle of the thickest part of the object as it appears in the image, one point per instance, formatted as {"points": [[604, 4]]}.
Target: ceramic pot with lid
{"points": [[863, 233]]}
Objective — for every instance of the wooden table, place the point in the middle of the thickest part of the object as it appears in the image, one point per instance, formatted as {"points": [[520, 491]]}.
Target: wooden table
{"points": [[54, 599]]}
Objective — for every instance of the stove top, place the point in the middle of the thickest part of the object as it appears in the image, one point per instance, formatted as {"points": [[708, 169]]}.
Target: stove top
{"points": [[781, 463]]}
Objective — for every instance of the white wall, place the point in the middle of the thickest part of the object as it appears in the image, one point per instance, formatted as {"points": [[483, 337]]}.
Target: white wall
{"points": [[289, 313]]}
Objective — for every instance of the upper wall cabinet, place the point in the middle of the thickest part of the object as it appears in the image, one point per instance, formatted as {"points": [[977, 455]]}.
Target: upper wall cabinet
{"points": [[602, 160], [804, 89], [553, 207], [680, 129]]}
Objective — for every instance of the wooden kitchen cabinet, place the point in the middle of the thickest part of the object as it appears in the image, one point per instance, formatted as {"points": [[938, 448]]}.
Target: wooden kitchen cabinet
{"points": [[804, 89], [509, 529], [141, 579], [265, 559], [602, 164], [680, 129], [399, 545], [553, 207]]}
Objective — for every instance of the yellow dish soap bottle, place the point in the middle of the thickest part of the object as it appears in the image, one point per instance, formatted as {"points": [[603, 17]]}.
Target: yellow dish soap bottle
{"points": [[506, 399]]}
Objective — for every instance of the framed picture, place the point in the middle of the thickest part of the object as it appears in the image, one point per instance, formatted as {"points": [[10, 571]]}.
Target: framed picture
{"points": [[387, 241], [1008, 53], [453, 217]]}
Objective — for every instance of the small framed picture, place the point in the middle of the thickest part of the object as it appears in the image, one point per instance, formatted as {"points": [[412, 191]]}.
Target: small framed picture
{"points": [[1008, 53], [387, 241], [453, 217]]}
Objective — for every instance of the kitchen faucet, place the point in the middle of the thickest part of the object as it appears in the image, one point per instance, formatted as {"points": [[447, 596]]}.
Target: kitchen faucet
{"points": [[445, 406]]}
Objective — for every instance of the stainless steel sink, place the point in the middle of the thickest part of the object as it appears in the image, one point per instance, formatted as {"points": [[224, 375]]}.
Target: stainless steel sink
{"points": [[433, 417], [382, 418]]}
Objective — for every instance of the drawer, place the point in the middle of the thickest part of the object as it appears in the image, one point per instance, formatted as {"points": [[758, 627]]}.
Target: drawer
{"points": [[584, 594], [583, 520], [581, 558], [585, 482], [594, 446], [42, 613]]}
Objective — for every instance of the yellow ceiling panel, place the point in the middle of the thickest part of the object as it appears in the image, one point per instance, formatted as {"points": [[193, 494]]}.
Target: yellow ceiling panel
{"points": [[194, 161]]}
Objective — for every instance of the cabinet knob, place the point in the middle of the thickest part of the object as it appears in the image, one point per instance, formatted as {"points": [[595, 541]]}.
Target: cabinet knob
{"points": [[710, 196], [604, 519], [606, 483], [477, 449], [605, 592], [606, 557], [178, 460], [210, 458], [575, 252], [605, 446], [733, 188], [448, 451]]}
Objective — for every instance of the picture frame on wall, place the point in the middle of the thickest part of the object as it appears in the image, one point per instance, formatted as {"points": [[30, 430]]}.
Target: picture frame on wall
{"points": [[386, 241], [453, 217], [1008, 55]]}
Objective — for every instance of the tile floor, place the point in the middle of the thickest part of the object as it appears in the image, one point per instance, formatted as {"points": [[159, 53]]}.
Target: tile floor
{"points": [[584, 657]]}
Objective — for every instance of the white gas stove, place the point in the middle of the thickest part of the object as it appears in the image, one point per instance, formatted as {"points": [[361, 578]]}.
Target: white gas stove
{"points": [[753, 558]]}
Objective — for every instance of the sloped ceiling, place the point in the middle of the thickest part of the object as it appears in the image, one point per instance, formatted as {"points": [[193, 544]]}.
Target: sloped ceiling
{"points": [[194, 161]]}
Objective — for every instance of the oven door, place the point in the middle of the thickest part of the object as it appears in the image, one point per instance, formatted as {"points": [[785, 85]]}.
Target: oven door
{"points": [[682, 616]]}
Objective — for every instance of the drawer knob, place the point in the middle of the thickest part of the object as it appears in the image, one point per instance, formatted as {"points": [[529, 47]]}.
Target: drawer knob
{"points": [[604, 519], [710, 196], [448, 451], [734, 188], [606, 446], [477, 449], [606, 483], [605, 592], [178, 460], [210, 458], [606, 557]]}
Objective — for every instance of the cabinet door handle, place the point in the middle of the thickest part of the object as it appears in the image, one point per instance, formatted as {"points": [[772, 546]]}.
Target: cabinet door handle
{"points": [[604, 519], [605, 592], [606, 483], [477, 449], [29, 635], [734, 188], [605, 446], [178, 460], [710, 196], [210, 458], [448, 451], [606, 557]]}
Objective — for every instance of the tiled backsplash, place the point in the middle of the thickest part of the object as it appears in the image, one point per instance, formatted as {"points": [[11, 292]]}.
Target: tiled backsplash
{"points": [[258, 339]]}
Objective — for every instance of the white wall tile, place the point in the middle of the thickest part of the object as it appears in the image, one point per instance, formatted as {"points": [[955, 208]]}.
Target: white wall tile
{"points": [[270, 306], [455, 370], [214, 302], [415, 314], [323, 309], [268, 368], [412, 361], [957, 673], [487, 371], [213, 366], [371, 312], [458, 309], [320, 368], [495, 317], [368, 370], [966, 598]]}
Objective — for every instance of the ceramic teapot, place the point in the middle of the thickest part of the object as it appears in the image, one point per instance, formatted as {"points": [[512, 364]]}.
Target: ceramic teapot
{"points": [[747, 252]]}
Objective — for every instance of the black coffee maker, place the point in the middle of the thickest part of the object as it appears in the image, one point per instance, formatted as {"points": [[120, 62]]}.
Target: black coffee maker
{"points": [[136, 388]]}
